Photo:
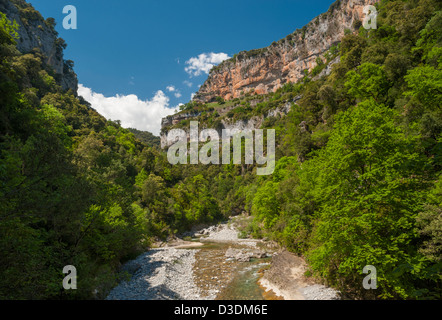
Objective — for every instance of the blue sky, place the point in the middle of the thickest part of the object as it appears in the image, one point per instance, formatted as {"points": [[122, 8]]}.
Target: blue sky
{"points": [[131, 55]]}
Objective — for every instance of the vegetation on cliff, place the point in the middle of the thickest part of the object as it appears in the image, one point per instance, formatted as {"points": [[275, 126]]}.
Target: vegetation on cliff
{"points": [[357, 180]]}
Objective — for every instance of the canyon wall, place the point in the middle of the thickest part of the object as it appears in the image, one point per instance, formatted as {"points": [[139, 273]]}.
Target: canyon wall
{"points": [[265, 70]]}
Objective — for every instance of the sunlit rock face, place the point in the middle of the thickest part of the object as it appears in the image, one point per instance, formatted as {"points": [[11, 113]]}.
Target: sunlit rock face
{"points": [[265, 70]]}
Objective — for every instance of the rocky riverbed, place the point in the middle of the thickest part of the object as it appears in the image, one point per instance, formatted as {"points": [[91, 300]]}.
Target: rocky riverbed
{"points": [[160, 274], [204, 269]]}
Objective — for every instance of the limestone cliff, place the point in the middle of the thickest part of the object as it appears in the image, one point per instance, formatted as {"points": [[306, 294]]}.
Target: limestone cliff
{"points": [[35, 33], [265, 70], [251, 123]]}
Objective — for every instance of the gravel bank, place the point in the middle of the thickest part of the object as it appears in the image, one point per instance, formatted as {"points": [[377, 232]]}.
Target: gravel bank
{"points": [[319, 292], [225, 232], [221, 233], [286, 279], [160, 274]]}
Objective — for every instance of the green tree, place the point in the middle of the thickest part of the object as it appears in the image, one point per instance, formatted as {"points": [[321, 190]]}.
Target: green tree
{"points": [[368, 81], [370, 192], [425, 84]]}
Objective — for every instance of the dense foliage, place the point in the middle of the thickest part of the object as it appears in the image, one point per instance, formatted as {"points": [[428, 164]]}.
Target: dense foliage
{"points": [[146, 137], [357, 181], [75, 188]]}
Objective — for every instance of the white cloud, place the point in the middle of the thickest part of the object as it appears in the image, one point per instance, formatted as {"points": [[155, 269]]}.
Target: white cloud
{"points": [[204, 62], [175, 91], [130, 110], [188, 83]]}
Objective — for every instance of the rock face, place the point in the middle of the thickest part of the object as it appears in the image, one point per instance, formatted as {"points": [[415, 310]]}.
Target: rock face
{"points": [[37, 33], [242, 125], [286, 277], [265, 70], [174, 119]]}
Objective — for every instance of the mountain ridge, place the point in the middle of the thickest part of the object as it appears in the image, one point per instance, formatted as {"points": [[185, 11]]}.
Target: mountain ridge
{"points": [[261, 71]]}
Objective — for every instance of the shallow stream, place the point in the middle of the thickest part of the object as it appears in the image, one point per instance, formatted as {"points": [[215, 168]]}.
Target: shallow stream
{"points": [[231, 279]]}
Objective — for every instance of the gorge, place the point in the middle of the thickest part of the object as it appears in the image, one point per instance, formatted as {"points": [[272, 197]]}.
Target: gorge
{"points": [[356, 168]]}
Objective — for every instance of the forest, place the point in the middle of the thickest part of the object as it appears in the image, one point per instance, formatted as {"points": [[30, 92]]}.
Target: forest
{"points": [[356, 183]]}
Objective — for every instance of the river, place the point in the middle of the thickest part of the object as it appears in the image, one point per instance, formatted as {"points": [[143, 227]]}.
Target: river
{"points": [[235, 280], [216, 265]]}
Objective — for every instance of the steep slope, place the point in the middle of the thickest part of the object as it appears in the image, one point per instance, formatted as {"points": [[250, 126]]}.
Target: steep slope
{"points": [[36, 33], [265, 70]]}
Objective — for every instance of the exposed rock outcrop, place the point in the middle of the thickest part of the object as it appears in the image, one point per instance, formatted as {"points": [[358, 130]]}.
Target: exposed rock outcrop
{"points": [[226, 124], [262, 71], [265, 70], [35, 33], [175, 119]]}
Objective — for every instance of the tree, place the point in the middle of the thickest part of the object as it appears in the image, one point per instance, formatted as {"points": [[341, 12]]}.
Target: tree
{"points": [[425, 84], [220, 100], [369, 184], [8, 30], [430, 225], [266, 206], [368, 81], [51, 23]]}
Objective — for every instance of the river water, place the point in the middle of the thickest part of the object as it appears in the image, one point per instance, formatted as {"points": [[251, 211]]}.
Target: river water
{"points": [[232, 279]]}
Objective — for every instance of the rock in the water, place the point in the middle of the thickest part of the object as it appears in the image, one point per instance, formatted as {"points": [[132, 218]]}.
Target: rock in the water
{"points": [[243, 255]]}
